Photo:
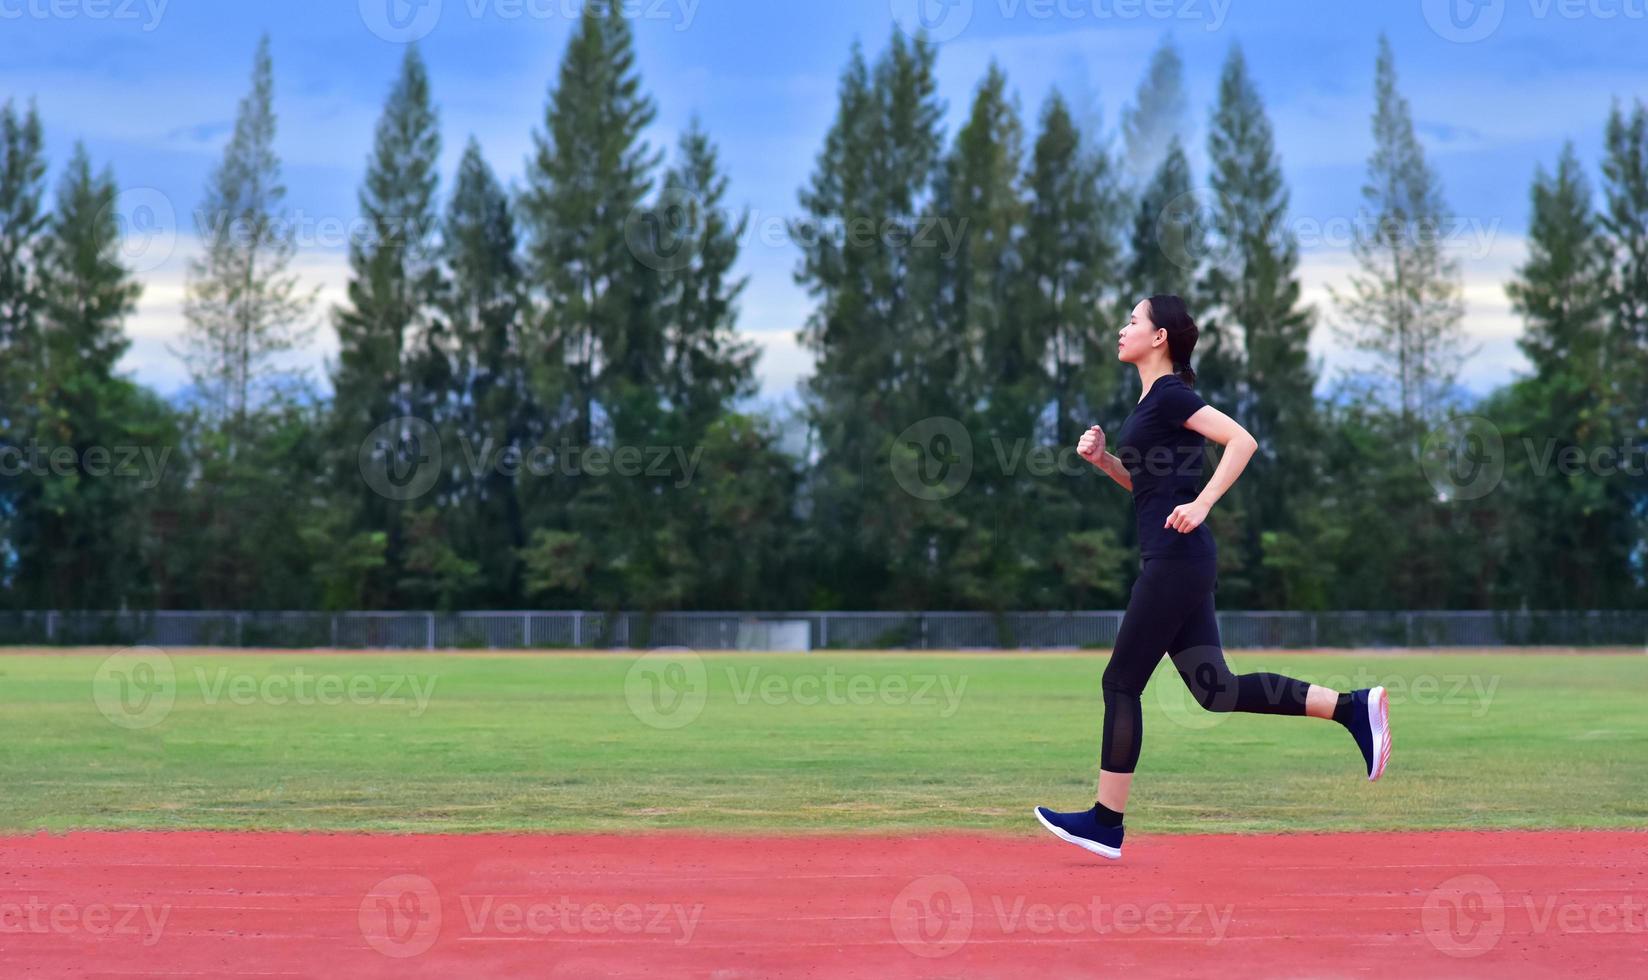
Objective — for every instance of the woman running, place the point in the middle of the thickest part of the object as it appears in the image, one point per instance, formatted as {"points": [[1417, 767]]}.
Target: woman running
{"points": [[1171, 607]]}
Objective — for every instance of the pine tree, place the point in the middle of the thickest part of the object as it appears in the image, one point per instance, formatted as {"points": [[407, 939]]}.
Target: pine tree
{"points": [[1158, 115], [394, 277], [995, 359], [881, 362], [1625, 223], [707, 367], [392, 360], [1072, 249], [692, 532], [1577, 555], [1065, 298], [1404, 306], [1561, 291], [244, 309], [494, 410], [23, 223], [978, 192], [251, 435], [80, 534], [1252, 295], [1167, 242], [589, 174]]}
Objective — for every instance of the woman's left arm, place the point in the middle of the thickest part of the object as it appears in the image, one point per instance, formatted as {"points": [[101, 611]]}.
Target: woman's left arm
{"points": [[1239, 448]]}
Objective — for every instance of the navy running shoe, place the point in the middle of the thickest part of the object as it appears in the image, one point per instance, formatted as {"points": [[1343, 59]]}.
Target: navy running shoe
{"points": [[1369, 723], [1082, 828]]}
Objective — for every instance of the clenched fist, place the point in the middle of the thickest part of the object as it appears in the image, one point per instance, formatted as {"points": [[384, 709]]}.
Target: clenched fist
{"points": [[1091, 446]]}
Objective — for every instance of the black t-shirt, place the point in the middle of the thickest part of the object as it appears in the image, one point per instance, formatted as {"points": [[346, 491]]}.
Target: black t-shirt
{"points": [[1165, 461]]}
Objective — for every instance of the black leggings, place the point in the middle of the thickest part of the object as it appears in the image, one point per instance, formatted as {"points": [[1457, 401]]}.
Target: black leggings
{"points": [[1171, 611]]}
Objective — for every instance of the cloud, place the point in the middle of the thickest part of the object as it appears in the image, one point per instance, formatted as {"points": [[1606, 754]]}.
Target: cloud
{"points": [[159, 326], [1489, 323]]}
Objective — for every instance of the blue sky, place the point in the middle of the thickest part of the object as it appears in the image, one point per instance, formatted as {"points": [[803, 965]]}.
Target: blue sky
{"points": [[151, 87]]}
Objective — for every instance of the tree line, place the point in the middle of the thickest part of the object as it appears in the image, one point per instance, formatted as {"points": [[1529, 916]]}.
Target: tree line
{"points": [[541, 398]]}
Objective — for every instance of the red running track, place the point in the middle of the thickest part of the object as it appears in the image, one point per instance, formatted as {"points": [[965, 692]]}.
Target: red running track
{"points": [[1410, 905]]}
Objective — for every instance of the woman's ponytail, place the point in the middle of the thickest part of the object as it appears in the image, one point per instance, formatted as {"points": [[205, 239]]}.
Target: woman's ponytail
{"points": [[1168, 313]]}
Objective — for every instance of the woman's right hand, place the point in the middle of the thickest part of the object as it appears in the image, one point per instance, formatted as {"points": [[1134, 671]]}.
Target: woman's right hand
{"points": [[1091, 446]]}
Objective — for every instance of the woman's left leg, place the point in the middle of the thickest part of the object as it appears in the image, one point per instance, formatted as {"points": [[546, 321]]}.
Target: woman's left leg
{"points": [[1199, 656]]}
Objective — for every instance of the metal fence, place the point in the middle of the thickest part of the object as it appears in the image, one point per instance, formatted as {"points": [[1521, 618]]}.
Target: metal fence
{"points": [[827, 630]]}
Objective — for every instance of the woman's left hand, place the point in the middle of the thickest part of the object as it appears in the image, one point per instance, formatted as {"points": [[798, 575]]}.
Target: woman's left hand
{"points": [[1187, 517]]}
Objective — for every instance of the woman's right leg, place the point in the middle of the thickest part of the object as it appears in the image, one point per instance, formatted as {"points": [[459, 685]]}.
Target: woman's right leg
{"points": [[1199, 656]]}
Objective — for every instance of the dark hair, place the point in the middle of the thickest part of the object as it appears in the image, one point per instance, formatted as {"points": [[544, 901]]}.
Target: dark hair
{"points": [[1168, 313]]}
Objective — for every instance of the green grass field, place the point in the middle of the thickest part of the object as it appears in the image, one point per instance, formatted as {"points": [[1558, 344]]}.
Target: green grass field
{"points": [[844, 742]]}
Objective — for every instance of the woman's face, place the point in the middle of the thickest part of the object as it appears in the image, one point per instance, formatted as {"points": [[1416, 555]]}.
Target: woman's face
{"points": [[1139, 336]]}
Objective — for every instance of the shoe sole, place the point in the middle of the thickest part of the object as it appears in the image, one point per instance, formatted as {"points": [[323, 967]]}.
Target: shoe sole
{"points": [[1379, 723], [1104, 850]]}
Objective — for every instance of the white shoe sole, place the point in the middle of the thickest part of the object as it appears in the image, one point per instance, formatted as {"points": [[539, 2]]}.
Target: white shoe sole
{"points": [[1379, 722], [1113, 853]]}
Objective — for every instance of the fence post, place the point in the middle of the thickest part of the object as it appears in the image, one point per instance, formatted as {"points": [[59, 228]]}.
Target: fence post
{"points": [[1313, 641], [824, 631], [51, 626], [578, 629], [528, 630], [429, 630], [1407, 621], [240, 629], [334, 629]]}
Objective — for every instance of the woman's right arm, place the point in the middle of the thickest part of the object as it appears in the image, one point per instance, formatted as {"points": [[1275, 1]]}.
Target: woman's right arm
{"points": [[1091, 448]]}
